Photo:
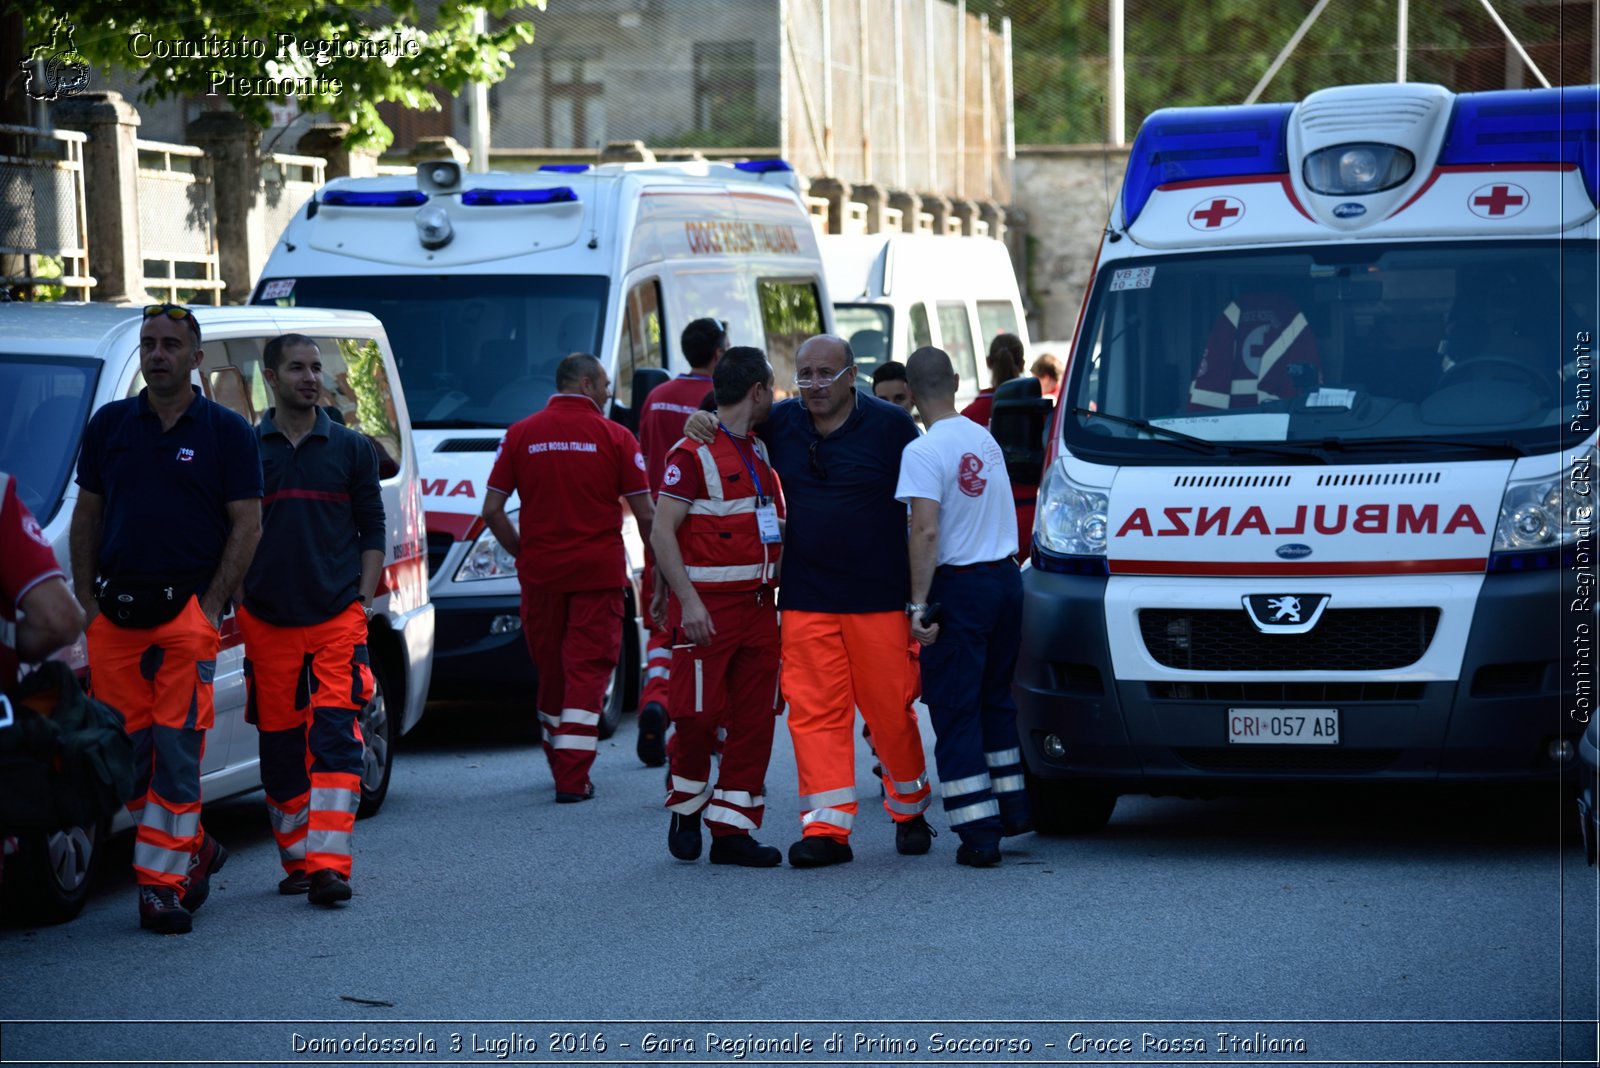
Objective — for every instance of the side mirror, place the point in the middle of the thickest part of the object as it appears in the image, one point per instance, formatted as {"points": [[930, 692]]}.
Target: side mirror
{"points": [[1018, 421]]}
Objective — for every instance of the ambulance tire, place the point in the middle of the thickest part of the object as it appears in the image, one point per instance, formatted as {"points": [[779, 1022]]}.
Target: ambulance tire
{"points": [[616, 698], [1063, 807], [47, 880], [378, 737]]}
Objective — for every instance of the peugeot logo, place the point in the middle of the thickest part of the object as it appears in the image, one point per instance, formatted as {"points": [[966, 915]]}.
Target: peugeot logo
{"points": [[1349, 211], [1294, 551], [1285, 613]]}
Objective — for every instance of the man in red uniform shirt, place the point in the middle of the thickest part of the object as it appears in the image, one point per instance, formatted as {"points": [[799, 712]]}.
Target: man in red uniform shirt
{"points": [[33, 590], [569, 464], [660, 426], [717, 541]]}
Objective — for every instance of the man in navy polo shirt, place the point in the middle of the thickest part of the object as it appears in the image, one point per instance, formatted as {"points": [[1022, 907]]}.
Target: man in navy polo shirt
{"points": [[846, 638], [168, 516]]}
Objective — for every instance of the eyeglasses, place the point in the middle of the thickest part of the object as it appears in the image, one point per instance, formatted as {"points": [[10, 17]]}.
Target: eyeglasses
{"points": [[817, 469], [176, 312], [805, 380]]}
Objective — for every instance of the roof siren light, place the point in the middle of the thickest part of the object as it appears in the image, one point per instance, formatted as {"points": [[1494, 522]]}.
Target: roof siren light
{"points": [[433, 227]]}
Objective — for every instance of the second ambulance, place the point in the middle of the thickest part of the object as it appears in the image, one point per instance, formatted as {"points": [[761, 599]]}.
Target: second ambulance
{"points": [[1318, 505]]}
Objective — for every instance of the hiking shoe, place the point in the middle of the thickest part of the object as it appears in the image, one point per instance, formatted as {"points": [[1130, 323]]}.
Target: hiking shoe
{"points": [[978, 856], [564, 798], [161, 911], [328, 887], [202, 866], [913, 837], [652, 744], [744, 851], [818, 851], [295, 883], [683, 837]]}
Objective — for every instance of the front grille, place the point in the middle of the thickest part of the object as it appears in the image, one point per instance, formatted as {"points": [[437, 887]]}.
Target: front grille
{"points": [[1287, 758], [438, 549], [1334, 693], [467, 445], [1348, 639]]}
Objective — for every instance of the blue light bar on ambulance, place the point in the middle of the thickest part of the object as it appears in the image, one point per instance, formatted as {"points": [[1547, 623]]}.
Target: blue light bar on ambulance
{"points": [[763, 166], [489, 197], [1184, 144], [564, 168], [1528, 126], [389, 198]]}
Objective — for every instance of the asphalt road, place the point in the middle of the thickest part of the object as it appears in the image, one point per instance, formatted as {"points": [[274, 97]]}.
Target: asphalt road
{"points": [[1341, 928]]}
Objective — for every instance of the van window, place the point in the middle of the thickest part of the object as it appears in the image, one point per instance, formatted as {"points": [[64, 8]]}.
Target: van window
{"points": [[955, 330], [996, 317], [642, 331], [44, 404], [791, 312], [868, 328], [356, 393], [920, 333]]}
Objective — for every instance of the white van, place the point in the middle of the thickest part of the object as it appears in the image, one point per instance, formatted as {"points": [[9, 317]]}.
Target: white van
{"points": [[60, 363], [485, 281], [894, 293], [1319, 500]]}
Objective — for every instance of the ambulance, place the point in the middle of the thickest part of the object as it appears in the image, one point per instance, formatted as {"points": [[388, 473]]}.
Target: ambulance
{"points": [[1318, 501], [486, 281]]}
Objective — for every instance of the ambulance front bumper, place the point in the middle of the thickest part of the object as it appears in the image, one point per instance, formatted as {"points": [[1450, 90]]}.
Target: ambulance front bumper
{"points": [[478, 644]]}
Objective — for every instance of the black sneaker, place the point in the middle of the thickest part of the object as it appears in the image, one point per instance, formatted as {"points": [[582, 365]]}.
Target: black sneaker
{"points": [[978, 856], [161, 911], [744, 851], [328, 887], [652, 744], [564, 798], [683, 837], [295, 883], [819, 851], [913, 837], [202, 866]]}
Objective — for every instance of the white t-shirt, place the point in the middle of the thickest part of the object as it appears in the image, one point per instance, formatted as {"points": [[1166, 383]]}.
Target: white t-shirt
{"points": [[959, 464]]}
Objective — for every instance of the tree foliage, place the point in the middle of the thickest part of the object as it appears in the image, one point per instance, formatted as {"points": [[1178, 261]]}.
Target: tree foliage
{"points": [[407, 56]]}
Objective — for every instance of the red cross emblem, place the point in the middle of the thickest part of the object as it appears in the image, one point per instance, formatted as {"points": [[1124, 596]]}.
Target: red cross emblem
{"points": [[1500, 201], [1216, 213]]}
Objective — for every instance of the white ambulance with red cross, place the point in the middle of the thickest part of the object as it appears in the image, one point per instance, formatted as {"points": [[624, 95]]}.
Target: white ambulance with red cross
{"points": [[485, 282], [1318, 500]]}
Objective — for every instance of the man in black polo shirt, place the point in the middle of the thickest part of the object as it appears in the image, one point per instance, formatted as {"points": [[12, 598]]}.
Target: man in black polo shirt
{"points": [[168, 516], [307, 598]]}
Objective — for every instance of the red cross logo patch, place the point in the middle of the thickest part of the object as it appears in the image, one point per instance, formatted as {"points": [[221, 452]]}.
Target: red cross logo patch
{"points": [[1216, 213], [1499, 200]]}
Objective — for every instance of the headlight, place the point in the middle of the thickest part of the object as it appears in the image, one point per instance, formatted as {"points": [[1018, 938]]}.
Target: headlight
{"points": [[1547, 512], [1071, 518], [486, 559]]}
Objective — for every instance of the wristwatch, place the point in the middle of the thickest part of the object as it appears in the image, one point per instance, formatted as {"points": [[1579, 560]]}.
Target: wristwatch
{"points": [[366, 606], [913, 608]]}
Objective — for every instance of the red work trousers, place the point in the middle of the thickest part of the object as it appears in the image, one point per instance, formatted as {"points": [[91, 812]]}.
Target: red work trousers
{"points": [[574, 639], [731, 683], [306, 689], [657, 652], [160, 679], [834, 663]]}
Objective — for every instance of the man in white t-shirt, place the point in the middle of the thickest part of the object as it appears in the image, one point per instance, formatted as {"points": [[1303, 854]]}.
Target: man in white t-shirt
{"points": [[963, 548]]}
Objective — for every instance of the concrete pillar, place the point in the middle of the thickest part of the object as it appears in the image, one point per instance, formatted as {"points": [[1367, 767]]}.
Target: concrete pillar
{"points": [[1016, 239], [939, 208], [329, 140], [876, 198], [995, 216], [111, 190], [627, 152], [432, 148], [910, 205], [964, 212], [232, 144], [835, 192]]}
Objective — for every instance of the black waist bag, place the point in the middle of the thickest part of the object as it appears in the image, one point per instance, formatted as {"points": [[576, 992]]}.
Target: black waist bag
{"points": [[141, 603], [71, 765]]}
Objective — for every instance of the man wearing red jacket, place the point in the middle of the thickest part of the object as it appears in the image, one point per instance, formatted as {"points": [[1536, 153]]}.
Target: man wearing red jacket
{"points": [[568, 464], [717, 542], [660, 426]]}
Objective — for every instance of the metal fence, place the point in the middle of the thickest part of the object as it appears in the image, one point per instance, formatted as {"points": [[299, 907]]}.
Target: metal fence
{"points": [[43, 215], [177, 223]]}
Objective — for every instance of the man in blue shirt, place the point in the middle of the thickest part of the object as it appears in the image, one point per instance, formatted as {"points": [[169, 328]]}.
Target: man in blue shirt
{"points": [[168, 516]]}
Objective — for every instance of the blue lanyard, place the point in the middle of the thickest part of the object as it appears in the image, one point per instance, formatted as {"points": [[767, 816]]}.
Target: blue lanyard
{"points": [[755, 479]]}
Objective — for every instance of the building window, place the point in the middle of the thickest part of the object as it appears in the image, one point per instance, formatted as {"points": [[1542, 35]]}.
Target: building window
{"points": [[574, 100]]}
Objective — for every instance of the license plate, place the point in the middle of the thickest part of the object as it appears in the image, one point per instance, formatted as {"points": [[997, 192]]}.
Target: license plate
{"points": [[1283, 726]]}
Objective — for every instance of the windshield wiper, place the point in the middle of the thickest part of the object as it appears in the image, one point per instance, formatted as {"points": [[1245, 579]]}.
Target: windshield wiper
{"points": [[1493, 448], [1190, 441]]}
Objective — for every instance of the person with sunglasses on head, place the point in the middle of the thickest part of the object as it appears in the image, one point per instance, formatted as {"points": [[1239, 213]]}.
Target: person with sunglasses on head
{"points": [[167, 520], [666, 409], [846, 638]]}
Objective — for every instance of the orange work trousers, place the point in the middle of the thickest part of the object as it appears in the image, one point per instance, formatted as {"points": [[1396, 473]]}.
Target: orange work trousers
{"points": [[306, 689], [160, 679], [834, 663]]}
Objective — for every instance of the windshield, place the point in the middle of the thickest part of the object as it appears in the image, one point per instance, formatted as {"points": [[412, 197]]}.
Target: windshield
{"points": [[473, 350], [1372, 347], [868, 328], [44, 404]]}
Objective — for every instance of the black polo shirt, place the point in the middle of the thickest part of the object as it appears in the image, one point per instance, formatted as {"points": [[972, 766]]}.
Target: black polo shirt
{"points": [[167, 492], [322, 510], [845, 542]]}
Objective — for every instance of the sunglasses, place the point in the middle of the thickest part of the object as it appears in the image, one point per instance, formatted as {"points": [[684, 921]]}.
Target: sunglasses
{"points": [[175, 312], [818, 471], [805, 380]]}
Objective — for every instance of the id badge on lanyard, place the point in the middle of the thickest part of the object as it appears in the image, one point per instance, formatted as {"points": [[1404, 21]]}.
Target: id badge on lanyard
{"points": [[767, 521]]}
